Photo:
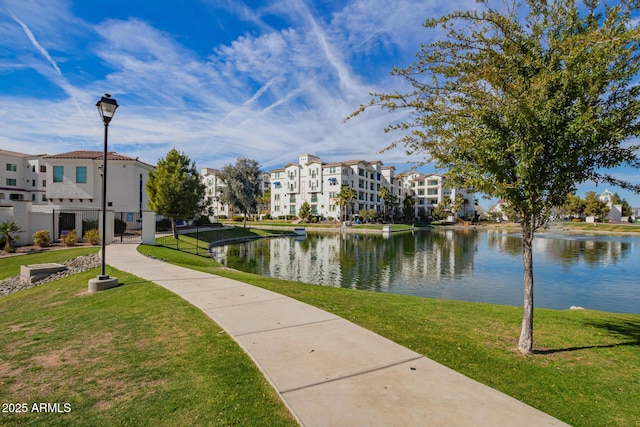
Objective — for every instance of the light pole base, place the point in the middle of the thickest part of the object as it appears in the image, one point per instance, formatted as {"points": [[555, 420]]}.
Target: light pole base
{"points": [[102, 283]]}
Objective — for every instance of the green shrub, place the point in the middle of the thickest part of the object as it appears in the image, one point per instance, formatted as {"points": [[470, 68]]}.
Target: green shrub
{"points": [[222, 217], [70, 239], [90, 224], [119, 226], [237, 218], [266, 216], [42, 239], [92, 236]]}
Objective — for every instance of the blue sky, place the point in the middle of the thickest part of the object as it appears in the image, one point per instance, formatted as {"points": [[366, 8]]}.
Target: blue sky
{"points": [[217, 79]]}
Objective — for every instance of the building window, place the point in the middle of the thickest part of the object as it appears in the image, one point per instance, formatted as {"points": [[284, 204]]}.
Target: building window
{"points": [[44, 182], [81, 174], [44, 197], [293, 198], [58, 173], [14, 196], [292, 210], [43, 168], [12, 167], [11, 182]]}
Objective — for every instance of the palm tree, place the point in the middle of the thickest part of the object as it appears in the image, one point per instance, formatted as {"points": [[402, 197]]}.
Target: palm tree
{"points": [[457, 204], [345, 197], [387, 199], [9, 231]]}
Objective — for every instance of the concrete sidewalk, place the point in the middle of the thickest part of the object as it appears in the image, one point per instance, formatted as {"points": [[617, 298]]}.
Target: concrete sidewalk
{"points": [[328, 371]]}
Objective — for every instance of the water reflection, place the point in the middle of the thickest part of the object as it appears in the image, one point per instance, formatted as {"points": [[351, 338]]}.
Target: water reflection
{"points": [[594, 272]]}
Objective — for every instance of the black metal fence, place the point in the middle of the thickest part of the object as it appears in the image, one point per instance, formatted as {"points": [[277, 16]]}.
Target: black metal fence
{"points": [[192, 238], [127, 227]]}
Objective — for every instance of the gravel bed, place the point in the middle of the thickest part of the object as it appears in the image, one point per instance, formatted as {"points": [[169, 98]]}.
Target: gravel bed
{"points": [[76, 265]]}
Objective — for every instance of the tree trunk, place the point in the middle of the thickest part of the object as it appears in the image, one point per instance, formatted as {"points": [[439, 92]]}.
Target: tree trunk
{"points": [[174, 228], [525, 345]]}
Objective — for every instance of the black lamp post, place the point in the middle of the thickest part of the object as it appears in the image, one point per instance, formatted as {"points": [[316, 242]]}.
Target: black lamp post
{"points": [[107, 108]]}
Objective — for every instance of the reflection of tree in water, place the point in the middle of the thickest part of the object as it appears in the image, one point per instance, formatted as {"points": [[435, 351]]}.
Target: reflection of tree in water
{"points": [[505, 243], [572, 251], [248, 256], [565, 250]]}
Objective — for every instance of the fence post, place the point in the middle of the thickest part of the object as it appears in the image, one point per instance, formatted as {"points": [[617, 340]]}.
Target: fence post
{"points": [[148, 227]]}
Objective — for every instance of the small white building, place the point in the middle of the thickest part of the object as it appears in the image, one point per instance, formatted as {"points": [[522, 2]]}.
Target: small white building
{"points": [[74, 180], [63, 192]]}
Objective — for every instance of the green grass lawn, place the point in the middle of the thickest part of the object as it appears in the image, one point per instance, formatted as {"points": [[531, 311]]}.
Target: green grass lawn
{"points": [[586, 369], [136, 355], [198, 243], [602, 227]]}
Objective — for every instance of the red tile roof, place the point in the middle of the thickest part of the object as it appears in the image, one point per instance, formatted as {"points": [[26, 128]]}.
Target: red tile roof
{"points": [[90, 154]]}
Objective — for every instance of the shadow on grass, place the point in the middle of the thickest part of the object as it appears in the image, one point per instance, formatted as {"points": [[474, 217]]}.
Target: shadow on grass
{"points": [[629, 329], [586, 347]]}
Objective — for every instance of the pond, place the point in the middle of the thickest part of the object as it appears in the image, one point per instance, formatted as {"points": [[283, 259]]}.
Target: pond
{"points": [[595, 272]]}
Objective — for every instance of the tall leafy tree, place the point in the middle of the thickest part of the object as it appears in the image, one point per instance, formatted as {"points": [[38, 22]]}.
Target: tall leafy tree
{"points": [[175, 189], [305, 212], [523, 102], [388, 200], [573, 205], [593, 206], [409, 207], [243, 185]]}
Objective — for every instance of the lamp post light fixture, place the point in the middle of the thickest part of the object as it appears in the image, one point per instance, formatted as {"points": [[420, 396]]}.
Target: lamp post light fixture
{"points": [[107, 108]]}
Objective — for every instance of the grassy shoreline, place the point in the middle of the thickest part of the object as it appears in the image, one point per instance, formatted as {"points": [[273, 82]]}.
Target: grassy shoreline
{"points": [[586, 366]]}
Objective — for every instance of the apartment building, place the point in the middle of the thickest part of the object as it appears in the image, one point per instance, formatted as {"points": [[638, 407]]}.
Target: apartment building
{"points": [[318, 183], [430, 189], [22, 177]]}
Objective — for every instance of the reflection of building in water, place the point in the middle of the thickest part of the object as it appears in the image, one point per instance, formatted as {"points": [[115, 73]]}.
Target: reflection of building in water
{"points": [[439, 255], [370, 262], [306, 260]]}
